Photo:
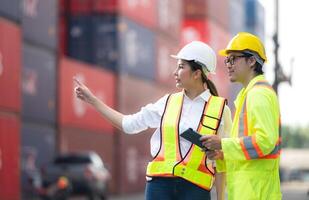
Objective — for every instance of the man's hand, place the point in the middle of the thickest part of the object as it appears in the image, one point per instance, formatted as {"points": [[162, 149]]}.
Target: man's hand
{"points": [[211, 142], [215, 155]]}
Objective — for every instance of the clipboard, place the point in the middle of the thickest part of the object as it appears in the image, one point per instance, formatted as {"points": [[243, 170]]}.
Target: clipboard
{"points": [[193, 137]]}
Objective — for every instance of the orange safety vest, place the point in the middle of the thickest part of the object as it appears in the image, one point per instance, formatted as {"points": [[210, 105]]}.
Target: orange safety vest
{"points": [[169, 162]]}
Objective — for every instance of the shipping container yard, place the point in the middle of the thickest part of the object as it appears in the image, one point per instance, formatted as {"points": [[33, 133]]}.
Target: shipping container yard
{"points": [[121, 50]]}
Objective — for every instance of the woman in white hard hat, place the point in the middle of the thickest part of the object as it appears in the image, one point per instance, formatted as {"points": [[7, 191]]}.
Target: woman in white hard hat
{"points": [[179, 169]]}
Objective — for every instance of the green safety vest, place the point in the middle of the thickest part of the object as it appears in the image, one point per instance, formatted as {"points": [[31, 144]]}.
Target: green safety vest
{"points": [[252, 153]]}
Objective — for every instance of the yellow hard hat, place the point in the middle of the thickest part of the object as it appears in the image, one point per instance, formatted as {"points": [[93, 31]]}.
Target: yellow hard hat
{"points": [[244, 41]]}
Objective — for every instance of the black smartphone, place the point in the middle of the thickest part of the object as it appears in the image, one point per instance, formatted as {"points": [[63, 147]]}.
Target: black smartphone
{"points": [[193, 137]]}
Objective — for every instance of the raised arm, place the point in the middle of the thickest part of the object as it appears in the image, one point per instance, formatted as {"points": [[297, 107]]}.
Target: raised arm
{"points": [[84, 93]]}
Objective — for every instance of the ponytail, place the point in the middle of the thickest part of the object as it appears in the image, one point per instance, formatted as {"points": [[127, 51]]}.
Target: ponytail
{"points": [[210, 85]]}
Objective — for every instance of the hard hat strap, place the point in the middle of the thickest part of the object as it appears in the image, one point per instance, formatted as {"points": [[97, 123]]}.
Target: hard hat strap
{"points": [[256, 56]]}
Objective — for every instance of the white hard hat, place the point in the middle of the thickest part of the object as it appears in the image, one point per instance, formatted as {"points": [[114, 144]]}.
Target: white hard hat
{"points": [[200, 53]]}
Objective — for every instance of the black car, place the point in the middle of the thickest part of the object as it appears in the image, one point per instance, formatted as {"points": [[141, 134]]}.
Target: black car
{"points": [[84, 172]]}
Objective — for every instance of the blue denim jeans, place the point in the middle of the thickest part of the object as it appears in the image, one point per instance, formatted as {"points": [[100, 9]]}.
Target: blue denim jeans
{"points": [[161, 188]]}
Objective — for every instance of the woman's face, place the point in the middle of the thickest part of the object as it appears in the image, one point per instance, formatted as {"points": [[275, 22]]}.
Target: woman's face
{"points": [[183, 75]]}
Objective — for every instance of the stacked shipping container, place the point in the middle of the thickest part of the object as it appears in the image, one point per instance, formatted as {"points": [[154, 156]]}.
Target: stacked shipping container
{"points": [[81, 128], [207, 21], [38, 129], [124, 38], [10, 106]]}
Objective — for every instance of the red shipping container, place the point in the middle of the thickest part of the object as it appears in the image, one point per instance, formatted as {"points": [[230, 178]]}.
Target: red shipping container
{"points": [[195, 9], [166, 65], [194, 29], [133, 151], [74, 112], [78, 7], [63, 35], [218, 11], [10, 66], [76, 140], [9, 156], [170, 17], [63, 6], [130, 98], [133, 156], [219, 39], [104, 6], [141, 11]]}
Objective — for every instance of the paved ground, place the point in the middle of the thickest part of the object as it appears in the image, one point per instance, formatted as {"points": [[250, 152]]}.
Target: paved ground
{"points": [[128, 197]]}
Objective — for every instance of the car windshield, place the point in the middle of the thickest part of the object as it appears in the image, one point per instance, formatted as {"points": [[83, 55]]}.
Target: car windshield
{"points": [[72, 159], [305, 176]]}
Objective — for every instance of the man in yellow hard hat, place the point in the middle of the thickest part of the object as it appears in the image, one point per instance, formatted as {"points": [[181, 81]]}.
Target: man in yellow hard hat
{"points": [[252, 152]]}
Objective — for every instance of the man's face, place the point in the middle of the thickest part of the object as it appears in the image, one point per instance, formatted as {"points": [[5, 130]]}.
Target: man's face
{"points": [[237, 66]]}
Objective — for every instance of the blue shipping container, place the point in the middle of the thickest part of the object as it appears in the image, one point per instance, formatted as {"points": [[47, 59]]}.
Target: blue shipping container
{"points": [[255, 16], [11, 9], [37, 150], [38, 85], [79, 38], [236, 16], [40, 22], [104, 41], [137, 49], [250, 6]]}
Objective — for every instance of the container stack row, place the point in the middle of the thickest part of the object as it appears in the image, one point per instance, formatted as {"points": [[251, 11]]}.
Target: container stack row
{"points": [[121, 50]]}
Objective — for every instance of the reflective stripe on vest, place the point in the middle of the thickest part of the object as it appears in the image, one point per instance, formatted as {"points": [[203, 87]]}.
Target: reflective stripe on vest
{"points": [[248, 143], [169, 161]]}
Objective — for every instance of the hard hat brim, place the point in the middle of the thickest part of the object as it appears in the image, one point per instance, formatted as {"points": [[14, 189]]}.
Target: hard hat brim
{"points": [[179, 57], [223, 52]]}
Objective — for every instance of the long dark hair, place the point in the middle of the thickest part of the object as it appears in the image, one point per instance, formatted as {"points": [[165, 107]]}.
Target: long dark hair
{"points": [[211, 86]]}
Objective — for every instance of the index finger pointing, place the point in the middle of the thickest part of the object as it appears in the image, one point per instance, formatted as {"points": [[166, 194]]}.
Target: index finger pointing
{"points": [[77, 81]]}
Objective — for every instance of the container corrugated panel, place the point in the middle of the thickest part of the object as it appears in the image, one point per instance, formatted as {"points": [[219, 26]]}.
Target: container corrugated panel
{"points": [[236, 16], [79, 38], [76, 140], [130, 100], [165, 64], [74, 112], [260, 24], [63, 35], [194, 29], [63, 6], [40, 22], [255, 16], [38, 85], [250, 11], [143, 12], [105, 6], [104, 41], [134, 150], [137, 49], [195, 9], [80, 7], [9, 156], [170, 17], [134, 155], [11, 9], [218, 11], [219, 38], [37, 151], [10, 66]]}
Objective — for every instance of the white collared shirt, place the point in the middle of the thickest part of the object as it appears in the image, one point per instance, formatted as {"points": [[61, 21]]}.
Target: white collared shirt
{"points": [[150, 117]]}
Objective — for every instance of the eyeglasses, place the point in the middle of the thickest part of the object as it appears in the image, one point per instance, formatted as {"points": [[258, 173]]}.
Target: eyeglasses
{"points": [[232, 59]]}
